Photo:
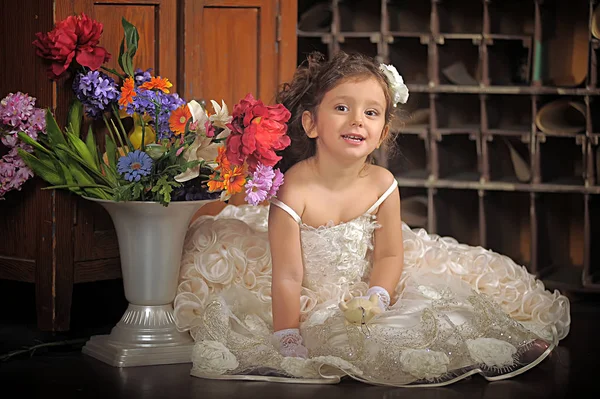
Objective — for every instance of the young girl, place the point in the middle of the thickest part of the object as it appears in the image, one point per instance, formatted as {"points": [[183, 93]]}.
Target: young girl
{"points": [[338, 285]]}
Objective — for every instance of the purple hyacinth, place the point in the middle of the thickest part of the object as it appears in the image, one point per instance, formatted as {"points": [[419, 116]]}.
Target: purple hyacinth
{"points": [[13, 172], [152, 102], [142, 77], [97, 91], [16, 108], [19, 114]]}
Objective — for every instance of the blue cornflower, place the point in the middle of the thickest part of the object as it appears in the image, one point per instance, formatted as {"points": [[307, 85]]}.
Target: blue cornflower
{"points": [[97, 91], [134, 165]]}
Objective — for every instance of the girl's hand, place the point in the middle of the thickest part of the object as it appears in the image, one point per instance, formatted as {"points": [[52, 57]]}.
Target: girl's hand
{"points": [[362, 309], [289, 343]]}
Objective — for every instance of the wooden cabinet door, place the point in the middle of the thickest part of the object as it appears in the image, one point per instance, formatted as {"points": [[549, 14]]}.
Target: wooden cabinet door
{"points": [[235, 47]]}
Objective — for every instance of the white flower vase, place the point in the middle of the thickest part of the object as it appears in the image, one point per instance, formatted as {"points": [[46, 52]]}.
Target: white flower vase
{"points": [[151, 240]]}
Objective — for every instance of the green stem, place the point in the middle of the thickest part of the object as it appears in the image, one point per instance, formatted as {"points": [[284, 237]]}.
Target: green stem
{"points": [[112, 134], [156, 112], [143, 144], [116, 113], [113, 71], [105, 188]]}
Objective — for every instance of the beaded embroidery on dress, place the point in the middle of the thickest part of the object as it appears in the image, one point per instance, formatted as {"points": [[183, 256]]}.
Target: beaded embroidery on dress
{"points": [[460, 310]]}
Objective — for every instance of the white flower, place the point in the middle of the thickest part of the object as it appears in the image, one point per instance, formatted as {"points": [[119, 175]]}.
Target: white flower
{"points": [[212, 357], [492, 352], [399, 89], [423, 363], [203, 148], [221, 116], [198, 113]]}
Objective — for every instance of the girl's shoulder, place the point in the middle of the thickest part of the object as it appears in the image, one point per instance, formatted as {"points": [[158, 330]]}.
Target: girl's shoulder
{"points": [[293, 190], [380, 178]]}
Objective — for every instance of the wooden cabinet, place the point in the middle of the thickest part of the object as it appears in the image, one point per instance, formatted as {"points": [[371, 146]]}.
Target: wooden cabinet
{"points": [[208, 49]]}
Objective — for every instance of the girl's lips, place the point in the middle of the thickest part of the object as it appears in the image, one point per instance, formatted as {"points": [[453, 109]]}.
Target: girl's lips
{"points": [[353, 139]]}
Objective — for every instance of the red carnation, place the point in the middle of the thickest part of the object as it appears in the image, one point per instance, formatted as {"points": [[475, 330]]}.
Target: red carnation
{"points": [[257, 131], [76, 37]]}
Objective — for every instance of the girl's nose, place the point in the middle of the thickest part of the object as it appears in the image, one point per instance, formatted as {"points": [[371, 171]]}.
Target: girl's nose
{"points": [[357, 121]]}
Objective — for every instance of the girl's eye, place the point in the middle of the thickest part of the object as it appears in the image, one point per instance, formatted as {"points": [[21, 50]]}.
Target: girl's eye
{"points": [[341, 108], [372, 113]]}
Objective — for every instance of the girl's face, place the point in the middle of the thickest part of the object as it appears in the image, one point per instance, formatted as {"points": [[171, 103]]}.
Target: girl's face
{"points": [[350, 121]]}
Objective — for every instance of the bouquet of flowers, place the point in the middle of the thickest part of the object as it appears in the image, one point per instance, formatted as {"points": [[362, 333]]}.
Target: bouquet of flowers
{"points": [[171, 150], [17, 114]]}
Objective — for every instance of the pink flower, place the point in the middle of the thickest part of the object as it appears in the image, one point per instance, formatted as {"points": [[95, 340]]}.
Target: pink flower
{"points": [[277, 182], [263, 184], [210, 129]]}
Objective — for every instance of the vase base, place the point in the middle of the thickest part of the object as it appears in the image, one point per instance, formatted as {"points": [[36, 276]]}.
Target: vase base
{"points": [[145, 335], [101, 347]]}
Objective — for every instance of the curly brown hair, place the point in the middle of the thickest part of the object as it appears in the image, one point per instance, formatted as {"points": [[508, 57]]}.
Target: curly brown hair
{"points": [[311, 81]]}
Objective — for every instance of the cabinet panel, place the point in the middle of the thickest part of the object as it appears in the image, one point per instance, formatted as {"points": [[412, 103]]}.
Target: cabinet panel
{"points": [[231, 48], [221, 76]]}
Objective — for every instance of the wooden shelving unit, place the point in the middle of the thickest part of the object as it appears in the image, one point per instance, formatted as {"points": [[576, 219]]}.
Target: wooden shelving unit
{"points": [[480, 71]]}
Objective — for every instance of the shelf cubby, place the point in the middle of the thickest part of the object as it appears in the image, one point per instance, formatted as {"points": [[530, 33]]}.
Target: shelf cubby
{"points": [[508, 225], [457, 157], [408, 159], [414, 203], [362, 45], [315, 16], [307, 45], [414, 118], [405, 18], [560, 237], [459, 62], [466, 17], [508, 158], [509, 61], [410, 56], [457, 113], [564, 45], [591, 277], [570, 151], [508, 114], [457, 215], [359, 16], [512, 17], [593, 159]]}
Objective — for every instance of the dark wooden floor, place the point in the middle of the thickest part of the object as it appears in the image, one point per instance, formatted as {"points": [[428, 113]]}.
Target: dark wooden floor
{"points": [[62, 371]]}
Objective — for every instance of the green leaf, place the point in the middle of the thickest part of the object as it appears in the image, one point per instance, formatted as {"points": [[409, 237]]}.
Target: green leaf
{"points": [[55, 135], [39, 168], [164, 188], [132, 36], [90, 142], [36, 146], [111, 152], [81, 149], [121, 52], [75, 117], [81, 164], [70, 180]]}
